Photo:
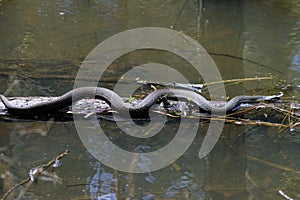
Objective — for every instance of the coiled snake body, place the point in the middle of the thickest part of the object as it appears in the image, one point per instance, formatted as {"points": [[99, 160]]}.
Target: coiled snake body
{"points": [[117, 103]]}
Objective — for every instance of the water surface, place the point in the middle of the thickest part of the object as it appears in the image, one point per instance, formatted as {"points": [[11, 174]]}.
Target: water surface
{"points": [[43, 43]]}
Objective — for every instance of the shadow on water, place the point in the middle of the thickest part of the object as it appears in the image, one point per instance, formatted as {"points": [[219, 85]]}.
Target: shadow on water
{"points": [[43, 44]]}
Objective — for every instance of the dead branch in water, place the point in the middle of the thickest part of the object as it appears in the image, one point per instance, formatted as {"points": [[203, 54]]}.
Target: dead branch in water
{"points": [[38, 170]]}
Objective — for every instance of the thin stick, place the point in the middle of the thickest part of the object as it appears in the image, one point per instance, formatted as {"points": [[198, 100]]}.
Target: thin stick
{"points": [[250, 179], [247, 60], [45, 166], [239, 80], [273, 165]]}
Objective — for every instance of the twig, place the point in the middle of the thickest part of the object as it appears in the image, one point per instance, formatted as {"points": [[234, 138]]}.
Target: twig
{"points": [[290, 117], [273, 165], [46, 166], [73, 185], [179, 14], [240, 80], [250, 179], [41, 169], [247, 60]]}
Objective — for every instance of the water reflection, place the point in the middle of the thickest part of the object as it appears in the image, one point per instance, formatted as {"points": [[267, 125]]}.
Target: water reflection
{"points": [[296, 61], [101, 184]]}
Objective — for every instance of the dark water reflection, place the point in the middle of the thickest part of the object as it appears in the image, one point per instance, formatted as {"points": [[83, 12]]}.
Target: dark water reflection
{"points": [[43, 43]]}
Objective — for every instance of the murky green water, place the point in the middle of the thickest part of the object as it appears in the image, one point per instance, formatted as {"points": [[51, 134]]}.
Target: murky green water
{"points": [[43, 43]]}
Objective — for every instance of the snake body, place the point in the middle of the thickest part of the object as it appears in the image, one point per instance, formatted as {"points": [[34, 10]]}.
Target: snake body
{"points": [[117, 103]]}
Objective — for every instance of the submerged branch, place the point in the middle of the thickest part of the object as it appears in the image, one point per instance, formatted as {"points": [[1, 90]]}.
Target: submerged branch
{"points": [[38, 170], [276, 166]]}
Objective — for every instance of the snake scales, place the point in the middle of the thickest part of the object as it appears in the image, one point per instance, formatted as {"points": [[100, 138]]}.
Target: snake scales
{"points": [[139, 110]]}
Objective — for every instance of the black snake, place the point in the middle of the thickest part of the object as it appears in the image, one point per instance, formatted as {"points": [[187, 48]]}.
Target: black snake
{"points": [[139, 110]]}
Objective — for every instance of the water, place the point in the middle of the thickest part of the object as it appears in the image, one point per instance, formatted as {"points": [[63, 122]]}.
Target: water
{"points": [[43, 43]]}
